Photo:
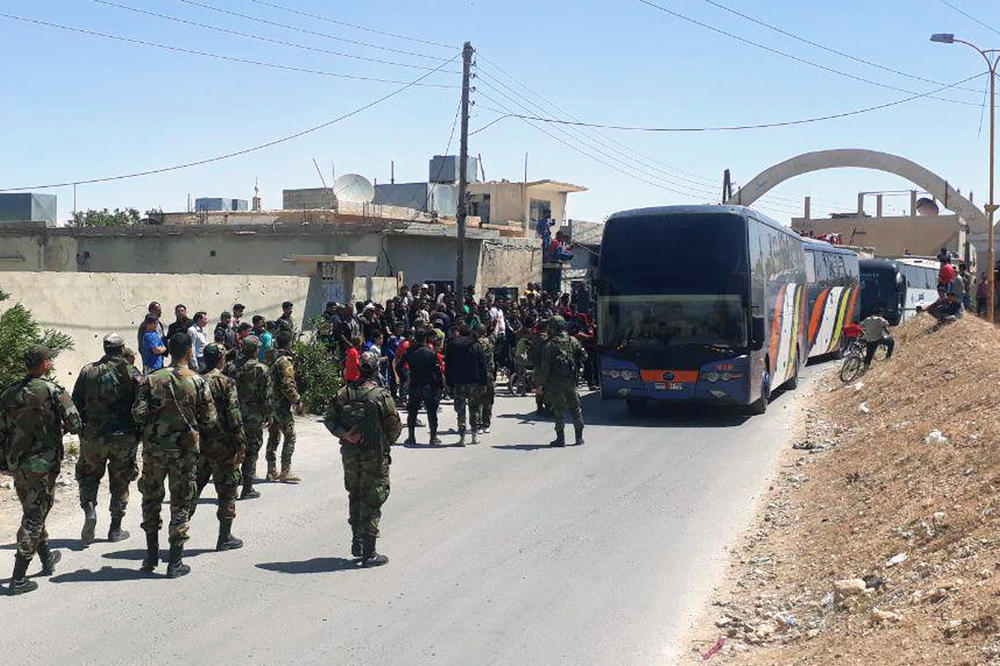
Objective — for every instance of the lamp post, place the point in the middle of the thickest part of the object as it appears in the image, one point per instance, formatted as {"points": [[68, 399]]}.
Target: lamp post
{"points": [[992, 58]]}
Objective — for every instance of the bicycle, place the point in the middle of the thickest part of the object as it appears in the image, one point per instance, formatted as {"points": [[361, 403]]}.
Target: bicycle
{"points": [[854, 361], [520, 382]]}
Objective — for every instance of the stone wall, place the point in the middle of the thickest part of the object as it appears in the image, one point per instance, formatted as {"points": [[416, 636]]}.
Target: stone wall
{"points": [[510, 263]]}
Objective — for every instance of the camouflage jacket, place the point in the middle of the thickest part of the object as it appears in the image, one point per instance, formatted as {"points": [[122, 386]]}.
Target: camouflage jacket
{"points": [[173, 405], [104, 394], [285, 394], [489, 345], [225, 438], [34, 413], [368, 409], [556, 350], [536, 342], [253, 385]]}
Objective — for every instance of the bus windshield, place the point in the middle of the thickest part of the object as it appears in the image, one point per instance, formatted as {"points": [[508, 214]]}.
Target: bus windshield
{"points": [[878, 292], [650, 322]]}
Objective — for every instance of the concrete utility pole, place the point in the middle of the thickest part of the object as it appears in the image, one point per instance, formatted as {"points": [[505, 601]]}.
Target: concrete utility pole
{"points": [[463, 183], [992, 58]]}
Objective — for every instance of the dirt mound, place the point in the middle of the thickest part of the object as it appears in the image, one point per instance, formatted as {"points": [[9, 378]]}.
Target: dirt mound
{"points": [[879, 543]]}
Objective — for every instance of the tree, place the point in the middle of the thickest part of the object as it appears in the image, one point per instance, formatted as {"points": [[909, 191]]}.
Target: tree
{"points": [[104, 218], [18, 330]]}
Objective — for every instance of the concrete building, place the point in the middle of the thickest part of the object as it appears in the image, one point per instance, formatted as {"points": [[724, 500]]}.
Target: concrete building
{"points": [[308, 199], [28, 207], [215, 204], [434, 198], [506, 203]]}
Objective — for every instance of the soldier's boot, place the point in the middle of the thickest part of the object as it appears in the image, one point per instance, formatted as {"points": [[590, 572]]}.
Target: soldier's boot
{"points": [[461, 438], [115, 532], [412, 439], [152, 553], [89, 523], [435, 440], [579, 434], [248, 491], [175, 566], [272, 472], [19, 583], [560, 439], [287, 476], [226, 539], [475, 437], [370, 558], [49, 559], [357, 546]]}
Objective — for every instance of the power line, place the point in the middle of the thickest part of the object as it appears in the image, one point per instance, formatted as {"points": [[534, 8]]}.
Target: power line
{"points": [[451, 136], [286, 26], [828, 49], [217, 56], [733, 128], [791, 56], [353, 25], [263, 38], [243, 151], [970, 17]]}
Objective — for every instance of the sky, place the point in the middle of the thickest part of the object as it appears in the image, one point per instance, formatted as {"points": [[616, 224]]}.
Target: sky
{"points": [[78, 106]]}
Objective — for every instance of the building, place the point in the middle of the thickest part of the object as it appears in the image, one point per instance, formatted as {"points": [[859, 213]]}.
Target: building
{"points": [[28, 207], [310, 198], [215, 204], [506, 203]]}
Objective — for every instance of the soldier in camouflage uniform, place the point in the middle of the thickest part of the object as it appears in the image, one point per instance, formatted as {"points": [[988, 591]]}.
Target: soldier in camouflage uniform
{"points": [[173, 406], [34, 414], [489, 345], [285, 399], [365, 418], [223, 447], [253, 385], [536, 342], [466, 376], [555, 377], [103, 394]]}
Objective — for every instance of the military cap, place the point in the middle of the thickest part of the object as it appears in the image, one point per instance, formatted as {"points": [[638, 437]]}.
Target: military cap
{"points": [[369, 363], [251, 342], [557, 320], [113, 340], [225, 313], [35, 354], [213, 353]]}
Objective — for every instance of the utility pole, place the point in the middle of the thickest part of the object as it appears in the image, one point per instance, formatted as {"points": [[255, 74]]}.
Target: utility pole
{"points": [[463, 159]]}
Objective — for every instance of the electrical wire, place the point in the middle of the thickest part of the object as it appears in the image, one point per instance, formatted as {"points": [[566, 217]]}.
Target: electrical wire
{"points": [[970, 17], [353, 25], [792, 56], [733, 128], [219, 56], [286, 26], [828, 49], [244, 151], [263, 38]]}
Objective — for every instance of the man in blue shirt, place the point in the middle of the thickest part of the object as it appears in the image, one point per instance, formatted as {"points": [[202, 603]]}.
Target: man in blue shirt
{"points": [[152, 347]]}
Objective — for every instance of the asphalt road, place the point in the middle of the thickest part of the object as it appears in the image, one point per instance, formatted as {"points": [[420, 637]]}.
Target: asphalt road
{"points": [[505, 553]]}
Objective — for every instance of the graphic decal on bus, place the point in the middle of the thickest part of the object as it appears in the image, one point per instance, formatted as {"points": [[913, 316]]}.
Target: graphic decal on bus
{"points": [[785, 332], [834, 309]]}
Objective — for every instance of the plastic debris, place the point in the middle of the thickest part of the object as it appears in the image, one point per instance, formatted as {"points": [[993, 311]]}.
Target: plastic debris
{"points": [[864, 408], [859, 386], [896, 559], [935, 437], [714, 650]]}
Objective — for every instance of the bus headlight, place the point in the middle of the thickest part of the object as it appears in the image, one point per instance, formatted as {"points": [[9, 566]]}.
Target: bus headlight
{"points": [[711, 377]]}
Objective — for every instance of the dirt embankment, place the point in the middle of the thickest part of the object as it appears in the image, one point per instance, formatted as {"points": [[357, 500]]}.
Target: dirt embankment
{"points": [[879, 542]]}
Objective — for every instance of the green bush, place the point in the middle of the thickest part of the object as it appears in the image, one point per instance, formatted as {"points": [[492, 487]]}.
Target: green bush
{"points": [[18, 330], [317, 373]]}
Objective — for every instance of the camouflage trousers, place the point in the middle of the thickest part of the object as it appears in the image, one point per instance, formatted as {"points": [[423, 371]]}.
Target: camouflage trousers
{"points": [[471, 397], [563, 399], [282, 426], [226, 476], [179, 469], [490, 398], [115, 452], [253, 428], [366, 478], [36, 491]]}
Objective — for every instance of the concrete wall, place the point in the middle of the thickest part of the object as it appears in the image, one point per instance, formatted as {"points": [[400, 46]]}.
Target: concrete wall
{"points": [[508, 263], [893, 236], [90, 305]]}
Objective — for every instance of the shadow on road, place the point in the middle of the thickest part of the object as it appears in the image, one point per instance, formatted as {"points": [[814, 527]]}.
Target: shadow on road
{"points": [[418, 445], [315, 565], [530, 447], [103, 575], [140, 554], [614, 413], [68, 544]]}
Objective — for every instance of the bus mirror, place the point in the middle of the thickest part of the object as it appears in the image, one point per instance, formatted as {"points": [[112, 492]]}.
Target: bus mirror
{"points": [[757, 332]]}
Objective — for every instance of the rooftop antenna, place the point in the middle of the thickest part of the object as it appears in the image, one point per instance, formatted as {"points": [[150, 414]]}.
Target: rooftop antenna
{"points": [[323, 180]]}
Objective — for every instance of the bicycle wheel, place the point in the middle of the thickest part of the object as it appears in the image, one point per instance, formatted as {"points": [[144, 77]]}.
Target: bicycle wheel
{"points": [[851, 368]]}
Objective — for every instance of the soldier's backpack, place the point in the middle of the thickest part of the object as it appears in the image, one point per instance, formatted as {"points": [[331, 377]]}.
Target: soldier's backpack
{"points": [[562, 367], [361, 413]]}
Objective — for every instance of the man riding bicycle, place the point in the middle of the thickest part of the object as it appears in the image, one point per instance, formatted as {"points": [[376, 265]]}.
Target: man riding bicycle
{"points": [[875, 332]]}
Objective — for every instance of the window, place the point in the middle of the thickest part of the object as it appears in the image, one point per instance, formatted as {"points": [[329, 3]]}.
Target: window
{"points": [[541, 209], [479, 206]]}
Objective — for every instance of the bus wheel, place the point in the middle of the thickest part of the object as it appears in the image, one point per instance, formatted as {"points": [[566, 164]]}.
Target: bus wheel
{"points": [[793, 383], [760, 406]]}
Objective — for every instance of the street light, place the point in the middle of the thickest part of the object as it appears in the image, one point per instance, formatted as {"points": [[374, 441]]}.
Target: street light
{"points": [[992, 58]]}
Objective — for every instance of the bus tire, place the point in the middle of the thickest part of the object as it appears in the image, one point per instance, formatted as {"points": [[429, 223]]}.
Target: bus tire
{"points": [[760, 405]]}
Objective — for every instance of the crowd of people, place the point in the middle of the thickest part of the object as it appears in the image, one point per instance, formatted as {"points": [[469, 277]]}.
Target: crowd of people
{"points": [[200, 407]]}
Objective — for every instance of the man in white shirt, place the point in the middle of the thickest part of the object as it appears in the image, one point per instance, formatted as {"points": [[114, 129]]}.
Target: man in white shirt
{"points": [[199, 339]]}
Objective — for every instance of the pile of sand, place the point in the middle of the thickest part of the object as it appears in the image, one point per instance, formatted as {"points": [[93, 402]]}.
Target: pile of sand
{"points": [[880, 541]]}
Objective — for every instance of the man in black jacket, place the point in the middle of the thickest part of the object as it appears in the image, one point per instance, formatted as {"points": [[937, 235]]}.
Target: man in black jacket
{"points": [[466, 375], [425, 386]]}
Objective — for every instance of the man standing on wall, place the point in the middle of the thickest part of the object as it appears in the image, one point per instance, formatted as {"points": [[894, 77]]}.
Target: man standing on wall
{"points": [[156, 312], [285, 321], [199, 338], [151, 346], [285, 400], [181, 322]]}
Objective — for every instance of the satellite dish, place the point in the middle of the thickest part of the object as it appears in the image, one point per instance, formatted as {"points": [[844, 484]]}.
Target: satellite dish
{"points": [[352, 187]]}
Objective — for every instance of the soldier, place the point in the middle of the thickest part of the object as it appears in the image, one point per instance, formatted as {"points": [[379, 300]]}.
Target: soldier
{"points": [[465, 374], [104, 394], [253, 385], [555, 378], [366, 419], [34, 413], [223, 447], [173, 405], [536, 341], [488, 343], [285, 398]]}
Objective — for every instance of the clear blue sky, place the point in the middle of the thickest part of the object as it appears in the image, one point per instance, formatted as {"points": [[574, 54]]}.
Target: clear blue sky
{"points": [[77, 106]]}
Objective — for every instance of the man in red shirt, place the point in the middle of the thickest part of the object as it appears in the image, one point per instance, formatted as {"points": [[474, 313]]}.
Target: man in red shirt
{"points": [[352, 365], [946, 276]]}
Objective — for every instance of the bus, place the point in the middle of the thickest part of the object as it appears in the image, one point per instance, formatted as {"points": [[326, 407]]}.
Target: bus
{"points": [[699, 303], [832, 289], [895, 287]]}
